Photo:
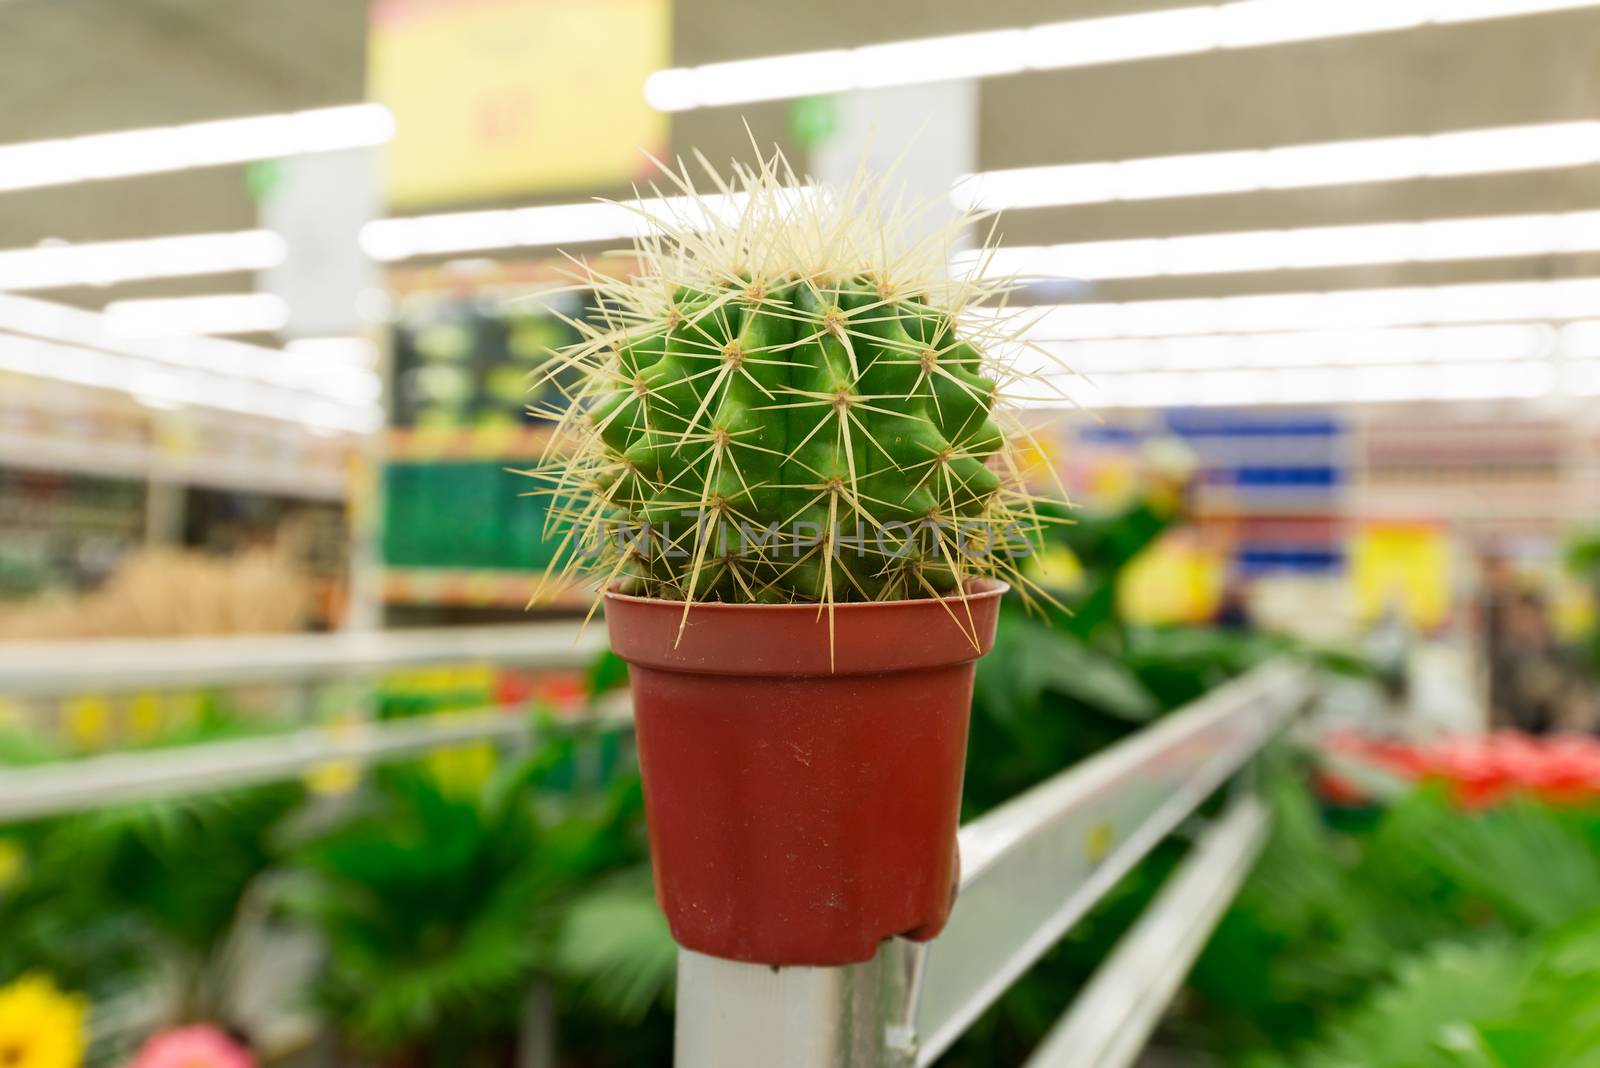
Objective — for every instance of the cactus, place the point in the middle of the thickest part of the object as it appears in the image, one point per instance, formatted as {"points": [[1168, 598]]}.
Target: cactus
{"points": [[790, 401]]}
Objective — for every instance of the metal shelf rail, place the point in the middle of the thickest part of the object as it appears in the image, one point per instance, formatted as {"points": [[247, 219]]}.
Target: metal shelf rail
{"points": [[120, 778], [47, 669], [1031, 869], [51, 669], [1112, 1018], [102, 459]]}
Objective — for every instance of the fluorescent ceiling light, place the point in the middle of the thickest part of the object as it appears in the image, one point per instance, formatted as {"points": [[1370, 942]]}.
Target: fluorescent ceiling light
{"points": [[1491, 151], [1308, 348], [1581, 341], [1439, 240], [1446, 363], [105, 263], [55, 341], [1265, 22], [1566, 299], [1320, 386], [161, 149], [1472, 10], [966, 55], [326, 351], [551, 224], [230, 313], [1078, 43], [168, 389]]}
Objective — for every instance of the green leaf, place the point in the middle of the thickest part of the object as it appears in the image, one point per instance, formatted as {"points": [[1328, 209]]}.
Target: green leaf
{"points": [[616, 945], [607, 672], [1424, 1018]]}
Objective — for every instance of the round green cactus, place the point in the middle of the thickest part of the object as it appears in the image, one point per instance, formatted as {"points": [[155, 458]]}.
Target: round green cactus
{"points": [[791, 401]]}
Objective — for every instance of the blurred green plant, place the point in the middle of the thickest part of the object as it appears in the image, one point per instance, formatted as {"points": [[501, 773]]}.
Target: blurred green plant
{"points": [[103, 899], [440, 910], [1582, 560], [442, 890], [1068, 679], [1442, 912], [1488, 1003]]}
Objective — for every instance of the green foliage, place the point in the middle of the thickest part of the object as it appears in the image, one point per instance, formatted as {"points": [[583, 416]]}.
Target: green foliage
{"points": [[1298, 941], [616, 948], [1485, 1003], [1583, 553], [1520, 863], [1556, 1022], [107, 895], [58, 925], [1583, 561], [1042, 701], [439, 909], [19, 748], [1182, 664], [1063, 683], [422, 898], [1055, 689], [103, 897], [439, 899], [606, 673], [1067, 680], [1441, 937], [1421, 1019]]}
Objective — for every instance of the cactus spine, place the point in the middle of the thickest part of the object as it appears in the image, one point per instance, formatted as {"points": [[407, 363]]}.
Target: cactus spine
{"points": [[791, 401]]}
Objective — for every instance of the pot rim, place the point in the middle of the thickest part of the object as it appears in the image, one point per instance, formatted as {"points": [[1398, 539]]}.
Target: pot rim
{"points": [[978, 589], [804, 640]]}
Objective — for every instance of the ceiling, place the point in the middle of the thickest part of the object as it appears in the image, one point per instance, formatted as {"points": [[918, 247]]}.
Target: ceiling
{"points": [[81, 66]]}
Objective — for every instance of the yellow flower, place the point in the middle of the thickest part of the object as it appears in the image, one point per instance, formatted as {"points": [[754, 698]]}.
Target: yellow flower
{"points": [[461, 770], [40, 1027], [12, 860]]}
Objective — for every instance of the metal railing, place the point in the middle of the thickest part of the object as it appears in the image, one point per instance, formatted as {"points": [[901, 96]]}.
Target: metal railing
{"points": [[46, 669], [1031, 869], [49, 669], [120, 778]]}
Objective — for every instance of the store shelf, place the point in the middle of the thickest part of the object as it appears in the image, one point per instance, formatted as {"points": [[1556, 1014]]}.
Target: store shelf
{"points": [[96, 782], [55, 668], [110, 459], [477, 588]]}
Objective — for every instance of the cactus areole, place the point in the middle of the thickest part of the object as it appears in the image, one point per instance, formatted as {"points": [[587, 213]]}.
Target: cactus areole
{"points": [[785, 456]]}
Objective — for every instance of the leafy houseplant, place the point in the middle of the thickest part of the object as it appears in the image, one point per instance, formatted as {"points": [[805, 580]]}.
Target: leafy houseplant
{"points": [[441, 907], [782, 454], [1436, 936]]}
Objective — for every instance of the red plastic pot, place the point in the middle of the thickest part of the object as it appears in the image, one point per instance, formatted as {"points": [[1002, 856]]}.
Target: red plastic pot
{"points": [[803, 808]]}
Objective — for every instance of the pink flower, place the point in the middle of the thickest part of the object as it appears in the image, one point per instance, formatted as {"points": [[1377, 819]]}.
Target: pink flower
{"points": [[200, 1046]]}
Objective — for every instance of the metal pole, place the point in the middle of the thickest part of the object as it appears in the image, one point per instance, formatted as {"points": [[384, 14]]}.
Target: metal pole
{"points": [[733, 1015]]}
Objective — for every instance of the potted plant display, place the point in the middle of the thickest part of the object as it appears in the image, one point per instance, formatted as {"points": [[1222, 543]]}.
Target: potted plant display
{"points": [[785, 454]]}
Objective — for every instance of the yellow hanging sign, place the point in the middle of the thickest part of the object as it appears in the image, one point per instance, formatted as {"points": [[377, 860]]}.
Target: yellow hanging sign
{"points": [[495, 98], [1405, 566], [1175, 580]]}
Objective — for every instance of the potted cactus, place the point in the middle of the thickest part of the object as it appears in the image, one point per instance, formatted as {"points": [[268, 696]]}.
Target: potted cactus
{"points": [[780, 452]]}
